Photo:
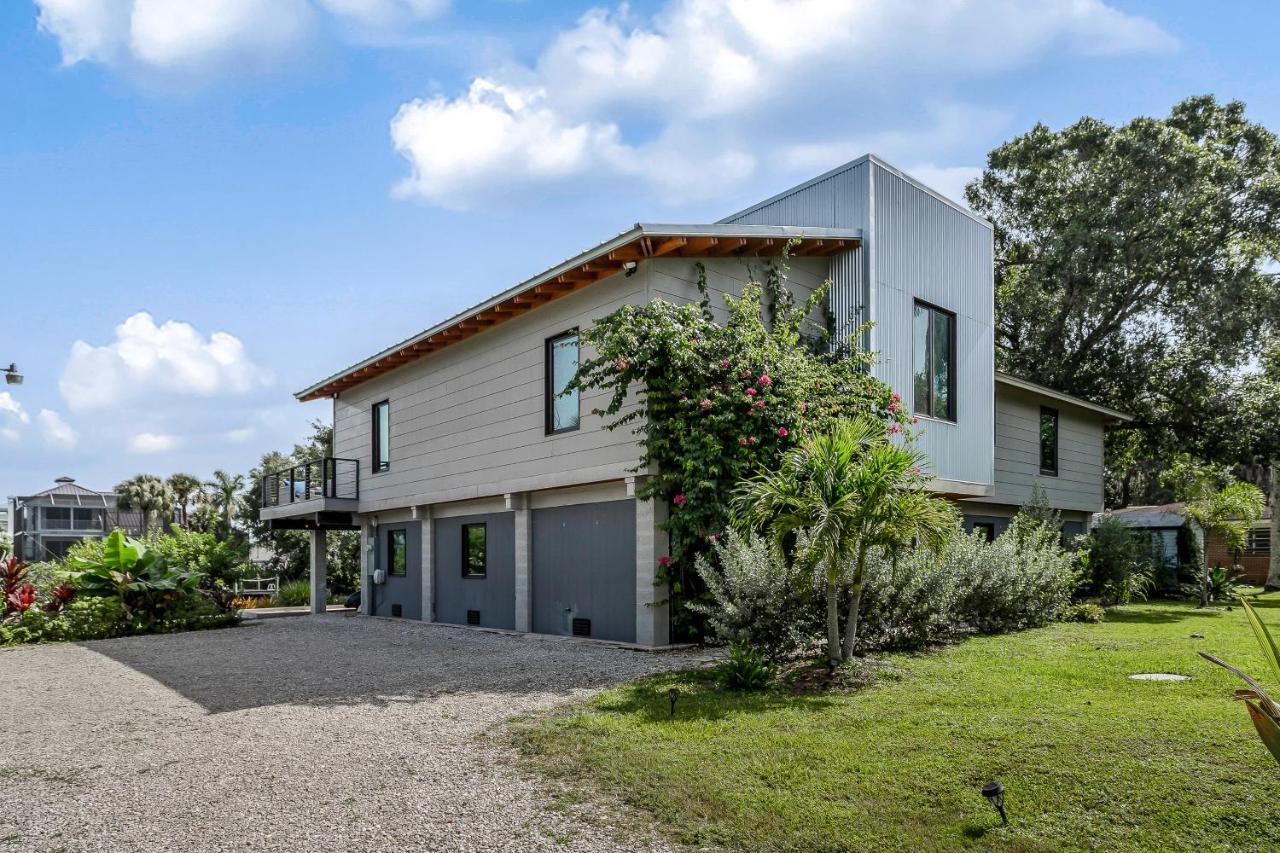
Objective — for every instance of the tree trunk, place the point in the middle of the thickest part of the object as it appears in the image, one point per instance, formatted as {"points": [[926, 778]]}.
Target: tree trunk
{"points": [[855, 603], [833, 622], [1202, 540], [1273, 569]]}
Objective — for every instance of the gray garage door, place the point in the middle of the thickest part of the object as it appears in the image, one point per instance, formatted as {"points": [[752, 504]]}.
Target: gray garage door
{"points": [[584, 570], [483, 590], [399, 550]]}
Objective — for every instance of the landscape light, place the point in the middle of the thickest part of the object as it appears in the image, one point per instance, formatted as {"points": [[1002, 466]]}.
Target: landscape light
{"points": [[12, 376], [673, 694], [994, 792]]}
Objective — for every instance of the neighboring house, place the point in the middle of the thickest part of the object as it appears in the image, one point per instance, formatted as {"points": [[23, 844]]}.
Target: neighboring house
{"points": [[47, 523], [485, 496], [1165, 522]]}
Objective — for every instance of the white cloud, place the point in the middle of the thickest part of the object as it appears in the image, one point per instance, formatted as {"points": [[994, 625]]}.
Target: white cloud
{"points": [[184, 35], [12, 417], [57, 432], [655, 98], [150, 442], [240, 435], [146, 358]]}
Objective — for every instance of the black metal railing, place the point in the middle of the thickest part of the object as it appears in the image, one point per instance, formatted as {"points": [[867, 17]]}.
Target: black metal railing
{"points": [[317, 478]]}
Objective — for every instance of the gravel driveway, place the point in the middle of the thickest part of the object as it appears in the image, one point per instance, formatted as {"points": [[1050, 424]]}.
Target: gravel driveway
{"points": [[308, 733]]}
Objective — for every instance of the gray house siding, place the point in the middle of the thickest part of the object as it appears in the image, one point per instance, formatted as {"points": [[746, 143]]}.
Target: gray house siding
{"points": [[402, 591], [584, 568], [917, 245], [492, 595]]}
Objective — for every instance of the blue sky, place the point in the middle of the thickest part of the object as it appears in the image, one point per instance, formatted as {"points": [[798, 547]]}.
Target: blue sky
{"points": [[206, 206]]}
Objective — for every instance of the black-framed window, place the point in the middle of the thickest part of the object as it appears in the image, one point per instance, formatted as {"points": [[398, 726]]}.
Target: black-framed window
{"points": [[381, 428], [1258, 541], [1048, 441], [933, 339], [397, 553], [562, 364], [987, 529], [475, 551]]}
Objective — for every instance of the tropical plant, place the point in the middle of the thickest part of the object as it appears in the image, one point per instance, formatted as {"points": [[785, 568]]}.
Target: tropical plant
{"points": [[143, 582], [1224, 582], [746, 668], [1228, 514], [1264, 711], [293, 593], [1118, 562], [185, 488], [148, 494], [224, 495], [848, 490], [15, 588]]}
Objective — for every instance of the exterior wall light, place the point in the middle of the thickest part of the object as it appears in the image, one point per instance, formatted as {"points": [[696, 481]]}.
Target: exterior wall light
{"points": [[12, 376], [994, 792], [630, 268]]}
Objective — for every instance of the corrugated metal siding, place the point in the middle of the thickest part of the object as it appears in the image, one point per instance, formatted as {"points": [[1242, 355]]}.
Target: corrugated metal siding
{"points": [[925, 249]]}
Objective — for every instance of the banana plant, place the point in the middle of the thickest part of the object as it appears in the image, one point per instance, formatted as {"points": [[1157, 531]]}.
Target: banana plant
{"points": [[140, 578], [1264, 710]]}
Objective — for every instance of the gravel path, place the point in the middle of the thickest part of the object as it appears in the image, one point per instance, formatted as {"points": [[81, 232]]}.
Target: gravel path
{"points": [[308, 733]]}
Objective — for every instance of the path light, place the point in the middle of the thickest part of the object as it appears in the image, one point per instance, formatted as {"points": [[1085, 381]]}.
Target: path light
{"points": [[672, 695], [994, 792]]}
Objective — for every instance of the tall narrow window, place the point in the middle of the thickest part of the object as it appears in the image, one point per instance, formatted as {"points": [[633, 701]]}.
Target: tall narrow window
{"points": [[382, 435], [1048, 441], [475, 558], [933, 362], [397, 553], [562, 365]]}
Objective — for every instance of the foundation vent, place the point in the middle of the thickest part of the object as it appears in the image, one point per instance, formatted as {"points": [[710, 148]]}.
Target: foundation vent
{"points": [[397, 610], [582, 627], [473, 617]]}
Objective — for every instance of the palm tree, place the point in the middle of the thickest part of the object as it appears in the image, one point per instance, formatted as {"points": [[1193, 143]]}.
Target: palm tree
{"points": [[839, 495], [224, 494], [146, 493], [1228, 513], [184, 487]]}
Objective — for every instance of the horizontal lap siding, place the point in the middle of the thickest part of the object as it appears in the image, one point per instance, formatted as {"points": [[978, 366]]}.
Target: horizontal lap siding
{"points": [[1078, 485], [469, 420]]}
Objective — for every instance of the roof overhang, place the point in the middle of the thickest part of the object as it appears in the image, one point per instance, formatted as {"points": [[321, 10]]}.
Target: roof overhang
{"points": [[639, 243], [1109, 414]]}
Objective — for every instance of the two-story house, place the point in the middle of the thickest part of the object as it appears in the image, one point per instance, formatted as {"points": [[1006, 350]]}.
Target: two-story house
{"points": [[488, 495], [46, 524]]}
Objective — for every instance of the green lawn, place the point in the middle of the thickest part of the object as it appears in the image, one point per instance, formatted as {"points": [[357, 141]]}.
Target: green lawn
{"points": [[1090, 758]]}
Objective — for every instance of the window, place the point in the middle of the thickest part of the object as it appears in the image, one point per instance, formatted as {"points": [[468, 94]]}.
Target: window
{"points": [[933, 357], [382, 436], [57, 518], [1048, 441], [397, 553], [474, 555], [987, 529], [562, 365], [1258, 541]]}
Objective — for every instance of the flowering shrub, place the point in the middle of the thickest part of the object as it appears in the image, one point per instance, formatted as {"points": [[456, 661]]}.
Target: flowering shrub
{"points": [[715, 403]]}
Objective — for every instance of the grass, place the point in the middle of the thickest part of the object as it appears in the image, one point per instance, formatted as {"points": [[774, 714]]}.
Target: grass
{"points": [[1090, 759]]}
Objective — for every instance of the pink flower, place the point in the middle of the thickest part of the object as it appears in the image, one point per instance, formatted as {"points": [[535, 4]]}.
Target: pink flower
{"points": [[664, 561], [765, 381], [759, 404], [782, 432], [744, 374], [895, 428], [752, 439], [679, 500], [742, 441], [894, 407], [724, 364], [914, 419], [895, 397], [751, 392], [705, 404]]}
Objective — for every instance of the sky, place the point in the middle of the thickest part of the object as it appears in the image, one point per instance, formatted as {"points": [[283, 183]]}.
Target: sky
{"points": [[207, 205]]}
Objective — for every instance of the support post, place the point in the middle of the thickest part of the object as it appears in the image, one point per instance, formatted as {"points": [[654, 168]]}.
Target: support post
{"points": [[366, 587], [427, 520], [653, 621], [519, 504], [319, 570]]}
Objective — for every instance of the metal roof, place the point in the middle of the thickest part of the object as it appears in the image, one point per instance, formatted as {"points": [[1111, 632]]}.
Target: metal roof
{"points": [[67, 493]]}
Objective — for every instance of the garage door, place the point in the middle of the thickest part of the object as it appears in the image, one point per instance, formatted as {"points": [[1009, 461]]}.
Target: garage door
{"points": [[584, 570], [475, 573]]}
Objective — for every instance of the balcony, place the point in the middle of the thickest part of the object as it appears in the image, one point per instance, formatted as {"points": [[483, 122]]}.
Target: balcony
{"points": [[319, 493]]}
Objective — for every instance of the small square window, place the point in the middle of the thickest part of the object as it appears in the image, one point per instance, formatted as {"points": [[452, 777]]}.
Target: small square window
{"points": [[1048, 441], [475, 557], [397, 553], [985, 529]]}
